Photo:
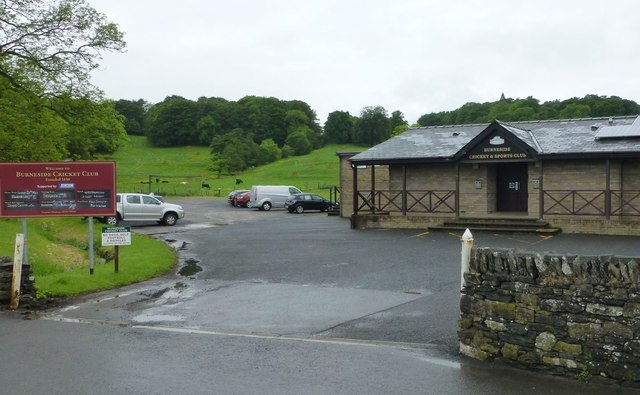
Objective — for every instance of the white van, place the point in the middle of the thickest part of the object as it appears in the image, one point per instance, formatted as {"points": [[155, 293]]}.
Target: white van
{"points": [[264, 197]]}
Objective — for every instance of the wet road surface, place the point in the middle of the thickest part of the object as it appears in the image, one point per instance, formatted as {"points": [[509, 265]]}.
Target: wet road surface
{"points": [[312, 281]]}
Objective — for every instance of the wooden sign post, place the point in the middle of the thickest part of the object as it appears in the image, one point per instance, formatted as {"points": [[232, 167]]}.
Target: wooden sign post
{"points": [[17, 271], [116, 236]]}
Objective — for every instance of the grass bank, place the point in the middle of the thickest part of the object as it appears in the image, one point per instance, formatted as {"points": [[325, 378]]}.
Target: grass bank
{"points": [[58, 253], [181, 171]]}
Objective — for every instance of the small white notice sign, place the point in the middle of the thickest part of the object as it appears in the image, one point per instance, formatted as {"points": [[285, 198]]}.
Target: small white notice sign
{"points": [[116, 236]]}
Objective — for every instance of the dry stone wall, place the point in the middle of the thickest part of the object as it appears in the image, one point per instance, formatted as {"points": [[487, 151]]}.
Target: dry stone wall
{"points": [[577, 316], [27, 290]]}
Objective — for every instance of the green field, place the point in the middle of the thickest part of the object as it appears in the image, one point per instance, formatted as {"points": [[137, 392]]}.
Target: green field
{"points": [[58, 247], [180, 171]]}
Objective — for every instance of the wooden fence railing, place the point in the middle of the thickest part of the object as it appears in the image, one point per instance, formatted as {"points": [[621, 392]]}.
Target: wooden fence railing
{"points": [[591, 202], [555, 202], [415, 201]]}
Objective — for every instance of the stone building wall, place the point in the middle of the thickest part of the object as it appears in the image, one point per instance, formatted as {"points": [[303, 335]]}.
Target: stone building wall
{"points": [[424, 177], [474, 201], [629, 174], [534, 190], [576, 316], [579, 174], [364, 182], [27, 289]]}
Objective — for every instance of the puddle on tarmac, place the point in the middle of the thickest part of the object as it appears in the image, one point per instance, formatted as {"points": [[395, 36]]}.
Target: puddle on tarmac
{"points": [[155, 294], [190, 268], [180, 286]]}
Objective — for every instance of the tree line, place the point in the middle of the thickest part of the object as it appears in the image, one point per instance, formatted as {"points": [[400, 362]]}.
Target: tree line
{"points": [[253, 130], [530, 109], [249, 132]]}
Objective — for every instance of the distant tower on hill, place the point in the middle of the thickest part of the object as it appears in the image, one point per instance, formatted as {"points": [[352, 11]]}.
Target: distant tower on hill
{"points": [[502, 98]]}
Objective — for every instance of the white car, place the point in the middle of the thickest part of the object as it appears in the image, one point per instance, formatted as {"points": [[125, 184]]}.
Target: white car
{"points": [[139, 207]]}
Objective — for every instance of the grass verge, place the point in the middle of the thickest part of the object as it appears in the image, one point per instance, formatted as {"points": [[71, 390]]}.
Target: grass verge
{"points": [[58, 253]]}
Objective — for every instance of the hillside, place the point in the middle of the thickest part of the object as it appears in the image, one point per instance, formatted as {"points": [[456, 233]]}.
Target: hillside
{"points": [[181, 171]]}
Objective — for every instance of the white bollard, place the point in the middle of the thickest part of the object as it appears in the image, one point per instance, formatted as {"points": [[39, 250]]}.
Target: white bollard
{"points": [[467, 244]]}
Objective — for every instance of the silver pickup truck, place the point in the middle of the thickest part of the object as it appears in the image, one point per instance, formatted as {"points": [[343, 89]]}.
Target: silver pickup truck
{"points": [[137, 207]]}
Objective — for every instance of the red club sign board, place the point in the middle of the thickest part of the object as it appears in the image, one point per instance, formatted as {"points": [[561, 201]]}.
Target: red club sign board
{"points": [[57, 189]]}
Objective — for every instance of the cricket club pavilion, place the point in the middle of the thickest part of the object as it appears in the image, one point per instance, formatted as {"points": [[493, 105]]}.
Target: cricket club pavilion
{"points": [[576, 175]]}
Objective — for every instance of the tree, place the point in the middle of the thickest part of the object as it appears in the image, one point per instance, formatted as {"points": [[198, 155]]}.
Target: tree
{"points": [[49, 47], [399, 130], [373, 126], [269, 150], [295, 119], [499, 111], [434, 119], [30, 131], [339, 127], [265, 118], [304, 107], [96, 128], [206, 129], [315, 133], [222, 111], [219, 164], [575, 110], [134, 113], [173, 122], [606, 106], [49, 110], [531, 109], [299, 142], [547, 112], [236, 150], [397, 119], [299, 120]]}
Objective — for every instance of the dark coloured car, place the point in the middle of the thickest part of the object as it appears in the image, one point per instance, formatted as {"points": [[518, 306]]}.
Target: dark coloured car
{"points": [[242, 199], [306, 201], [232, 194]]}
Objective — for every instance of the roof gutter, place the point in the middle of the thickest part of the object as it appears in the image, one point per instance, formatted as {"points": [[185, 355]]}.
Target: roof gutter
{"points": [[402, 161]]}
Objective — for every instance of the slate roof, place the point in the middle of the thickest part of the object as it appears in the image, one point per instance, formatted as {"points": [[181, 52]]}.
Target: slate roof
{"points": [[554, 138]]}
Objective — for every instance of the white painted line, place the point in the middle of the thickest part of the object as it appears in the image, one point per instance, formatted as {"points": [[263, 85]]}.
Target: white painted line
{"points": [[331, 341]]}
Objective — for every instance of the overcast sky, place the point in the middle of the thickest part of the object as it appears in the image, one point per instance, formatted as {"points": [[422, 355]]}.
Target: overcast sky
{"points": [[415, 56]]}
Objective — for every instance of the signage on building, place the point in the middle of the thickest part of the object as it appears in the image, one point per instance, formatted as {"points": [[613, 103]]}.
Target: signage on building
{"points": [[57, 189], [496, 148]]}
